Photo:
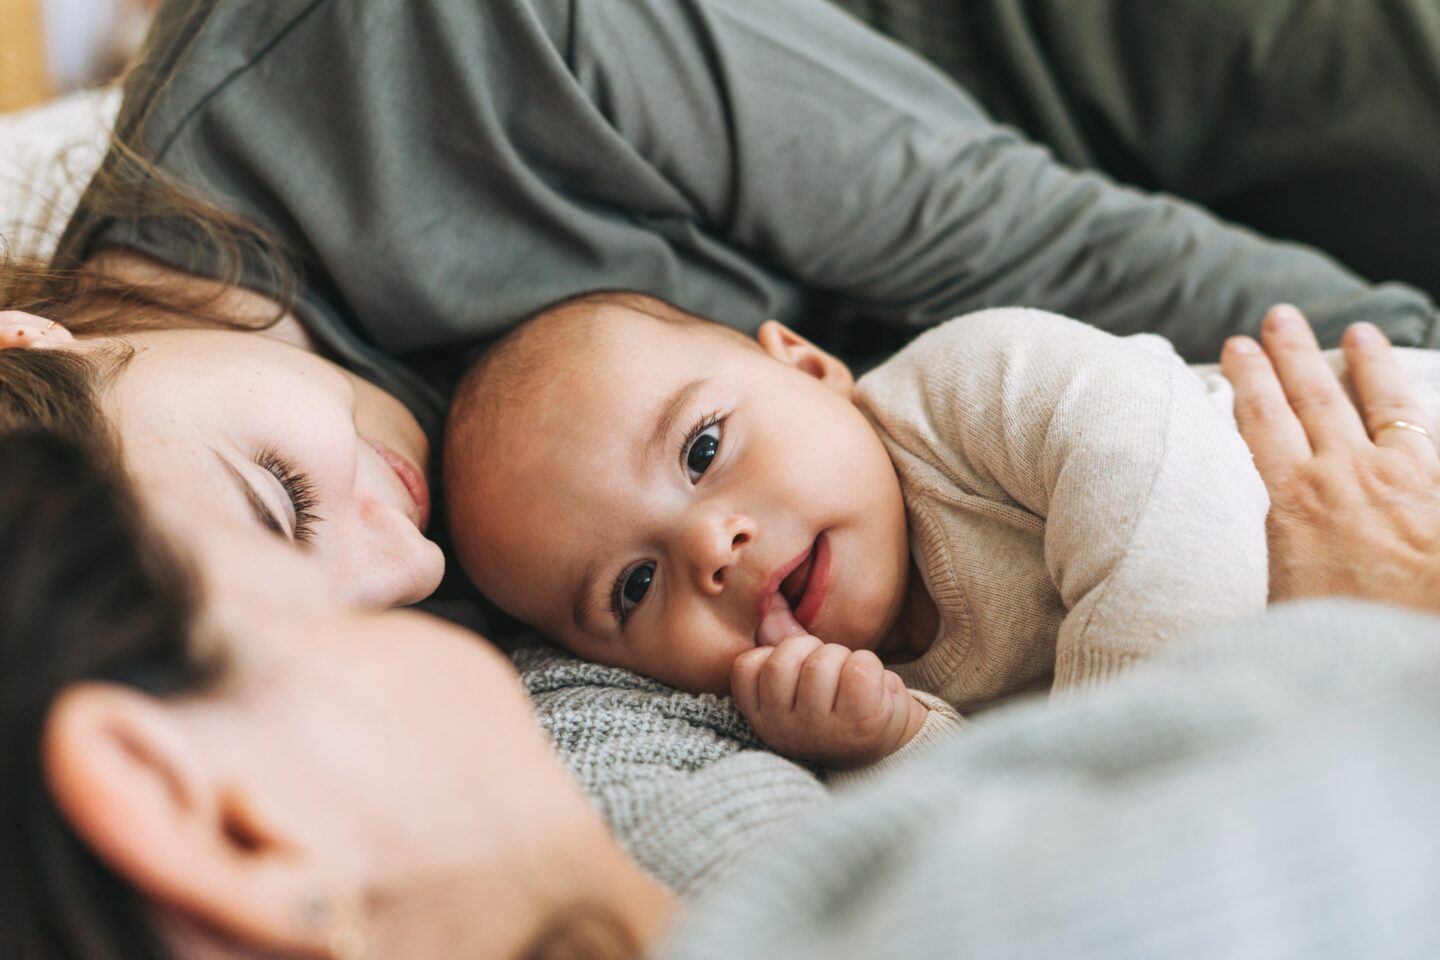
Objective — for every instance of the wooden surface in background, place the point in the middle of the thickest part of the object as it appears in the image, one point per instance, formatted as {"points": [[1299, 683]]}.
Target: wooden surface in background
{"points": [[24, 79]]}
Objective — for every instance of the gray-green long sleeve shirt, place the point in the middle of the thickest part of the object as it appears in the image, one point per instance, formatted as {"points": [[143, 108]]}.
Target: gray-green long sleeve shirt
{"points": [[442, 168]]}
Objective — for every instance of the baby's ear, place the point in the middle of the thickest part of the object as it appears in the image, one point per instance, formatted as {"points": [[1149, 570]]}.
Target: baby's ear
{"points": [[791, 349], [19, 330]]}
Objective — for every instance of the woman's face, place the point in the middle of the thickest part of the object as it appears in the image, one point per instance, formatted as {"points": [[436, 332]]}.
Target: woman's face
{"points": [[388, 754], [288, 442]]}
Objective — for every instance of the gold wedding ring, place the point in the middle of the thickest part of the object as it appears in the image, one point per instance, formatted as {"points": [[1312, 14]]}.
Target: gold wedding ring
{"points": [[1399, 425]]}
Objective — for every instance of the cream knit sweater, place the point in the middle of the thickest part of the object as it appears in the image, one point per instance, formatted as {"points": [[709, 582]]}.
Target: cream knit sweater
{"points": [[1075, 499]]}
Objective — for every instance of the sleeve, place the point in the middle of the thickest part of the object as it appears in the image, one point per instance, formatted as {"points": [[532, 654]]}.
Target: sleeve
{"points": [[848, 163], [942, 723], [1154, 516], [1269, 795], [683, 783]]}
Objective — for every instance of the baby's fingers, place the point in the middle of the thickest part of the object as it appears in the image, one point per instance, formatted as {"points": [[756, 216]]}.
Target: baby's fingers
{"points": [[862, 686], [819, 682], [780, 674], [745, 679]]}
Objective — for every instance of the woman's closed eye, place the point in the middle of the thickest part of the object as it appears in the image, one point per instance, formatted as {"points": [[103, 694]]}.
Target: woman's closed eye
{"points": [[299, 490]]}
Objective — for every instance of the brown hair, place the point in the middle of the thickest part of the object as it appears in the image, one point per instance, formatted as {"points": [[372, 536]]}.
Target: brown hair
{"points": [[487, 388], [56, 390], [584, 931], [86, 593]]}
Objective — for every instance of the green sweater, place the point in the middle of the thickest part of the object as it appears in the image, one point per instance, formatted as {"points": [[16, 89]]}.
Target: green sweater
{"points": [[1268, 790], [439, 169]]}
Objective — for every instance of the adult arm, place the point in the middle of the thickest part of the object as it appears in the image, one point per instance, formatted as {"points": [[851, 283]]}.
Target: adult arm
{"points": [[855, 168], [440, 169], [1268, 791]]}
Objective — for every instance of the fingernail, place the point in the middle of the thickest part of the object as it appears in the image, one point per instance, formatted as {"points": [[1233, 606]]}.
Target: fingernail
{"points": [[778, 625], [1284, 316], [1367, 334], [1242, 345]]}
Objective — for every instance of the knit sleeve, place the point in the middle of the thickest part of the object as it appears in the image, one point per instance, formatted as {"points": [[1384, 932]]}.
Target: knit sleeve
{"points": [[941, 723], [1153, 515], [680, 778]]}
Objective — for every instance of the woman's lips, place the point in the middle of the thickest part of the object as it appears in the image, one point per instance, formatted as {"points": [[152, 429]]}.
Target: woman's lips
{"points": [[413, 480]]}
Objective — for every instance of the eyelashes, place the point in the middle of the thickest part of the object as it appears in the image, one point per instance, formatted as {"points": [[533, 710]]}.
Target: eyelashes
{"points": [[712, 419], [298, 487]]}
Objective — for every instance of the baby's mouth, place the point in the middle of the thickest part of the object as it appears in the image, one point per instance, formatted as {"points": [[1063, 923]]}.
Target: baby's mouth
{"points": [[792, 588]]}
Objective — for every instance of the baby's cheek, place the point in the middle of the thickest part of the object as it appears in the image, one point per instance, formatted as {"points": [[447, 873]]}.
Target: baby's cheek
{"points": [[707, 667]]}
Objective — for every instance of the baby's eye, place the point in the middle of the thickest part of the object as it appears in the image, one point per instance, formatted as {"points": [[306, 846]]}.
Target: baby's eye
{"points": [[702, 450], [633, 587]]}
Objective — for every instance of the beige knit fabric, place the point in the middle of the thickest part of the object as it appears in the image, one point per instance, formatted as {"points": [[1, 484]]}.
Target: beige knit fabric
{"points": [[1075, 500], [941, 723]]}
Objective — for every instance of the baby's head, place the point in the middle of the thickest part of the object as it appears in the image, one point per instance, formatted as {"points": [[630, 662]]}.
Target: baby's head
{"points": [[638, 483]]}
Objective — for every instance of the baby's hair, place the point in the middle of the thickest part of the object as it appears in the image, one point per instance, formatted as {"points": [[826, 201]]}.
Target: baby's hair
{"points": [[527, 352]]}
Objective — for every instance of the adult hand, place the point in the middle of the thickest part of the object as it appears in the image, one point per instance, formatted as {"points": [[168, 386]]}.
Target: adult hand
{"points": [[1354, 494]]}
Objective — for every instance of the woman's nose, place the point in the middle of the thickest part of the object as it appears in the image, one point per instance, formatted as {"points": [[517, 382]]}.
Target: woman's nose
{"points": [[714, 545]]}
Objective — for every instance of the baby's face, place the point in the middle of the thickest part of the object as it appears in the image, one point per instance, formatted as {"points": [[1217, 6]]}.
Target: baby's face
{"points": [[659, 486]]}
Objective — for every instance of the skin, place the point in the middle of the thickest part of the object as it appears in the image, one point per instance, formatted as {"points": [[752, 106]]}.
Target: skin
{"points": [[216, 413], [1355, 508], [569, 483], [353, 773], [417, 786]]}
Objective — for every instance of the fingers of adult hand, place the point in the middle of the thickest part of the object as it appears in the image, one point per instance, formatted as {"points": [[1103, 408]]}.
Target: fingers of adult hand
{"points": [[1383, 394], [1267, 424], [862, 686], [1314, 392], [820, 681], [780, 675], [745, 679]]}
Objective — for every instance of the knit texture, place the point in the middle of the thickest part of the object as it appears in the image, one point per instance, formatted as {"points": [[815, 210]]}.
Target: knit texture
{"points": [[1266, 793], [1076, 500], [683, 782]]}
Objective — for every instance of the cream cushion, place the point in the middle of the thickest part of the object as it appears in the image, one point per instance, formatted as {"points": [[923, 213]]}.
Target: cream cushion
{"points": [[47, 156]]}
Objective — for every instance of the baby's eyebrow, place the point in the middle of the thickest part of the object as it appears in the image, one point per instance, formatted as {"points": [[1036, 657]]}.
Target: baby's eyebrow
{"points": [[670, 412]]}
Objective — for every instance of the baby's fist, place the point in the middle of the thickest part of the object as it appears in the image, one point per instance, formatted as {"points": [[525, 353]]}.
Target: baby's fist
{"points": [[824, 702]]}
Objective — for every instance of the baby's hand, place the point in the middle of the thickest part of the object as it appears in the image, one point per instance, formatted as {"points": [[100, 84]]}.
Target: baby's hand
{"points": [[823, 702]]}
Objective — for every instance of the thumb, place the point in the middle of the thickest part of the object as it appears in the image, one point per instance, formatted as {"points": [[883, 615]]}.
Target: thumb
{"points": [[778, 624]]}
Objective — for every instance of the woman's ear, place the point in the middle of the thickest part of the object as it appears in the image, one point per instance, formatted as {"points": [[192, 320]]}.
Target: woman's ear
{"points": [[20, 330], [790, 348], [137, 791]]}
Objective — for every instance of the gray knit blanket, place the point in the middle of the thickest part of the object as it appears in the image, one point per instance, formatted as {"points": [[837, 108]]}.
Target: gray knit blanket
{"points": [[681, 779]]}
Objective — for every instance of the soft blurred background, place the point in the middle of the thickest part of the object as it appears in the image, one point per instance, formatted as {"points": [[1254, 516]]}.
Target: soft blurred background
{"points": [[56, 57], [52, 47]]}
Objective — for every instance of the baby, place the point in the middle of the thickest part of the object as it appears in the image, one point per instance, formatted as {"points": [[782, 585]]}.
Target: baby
{"points": [[1015, 499]]}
